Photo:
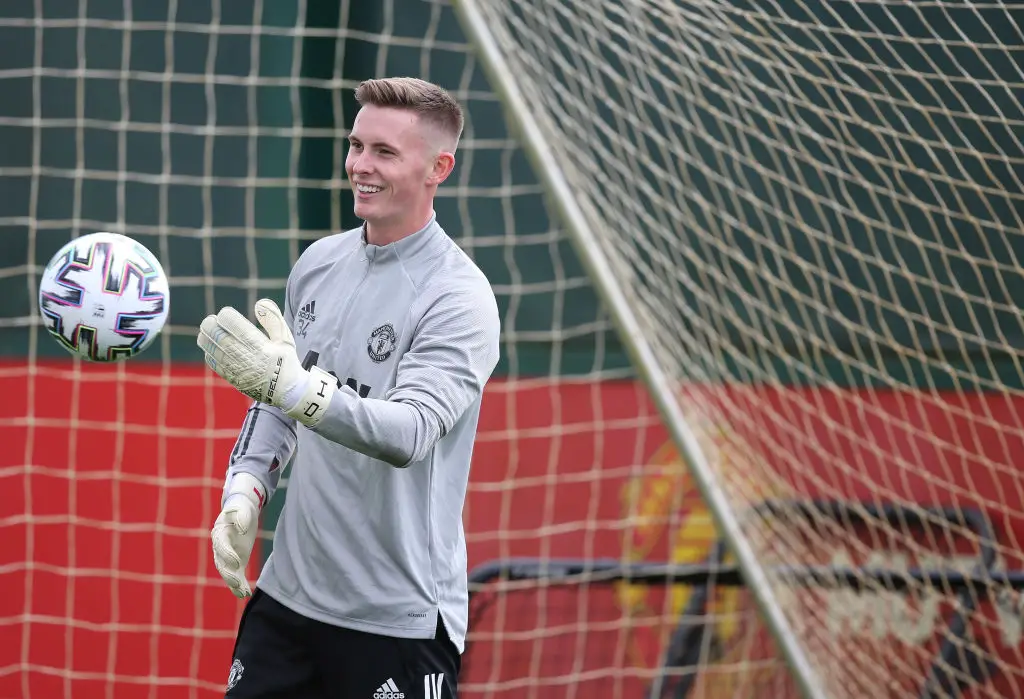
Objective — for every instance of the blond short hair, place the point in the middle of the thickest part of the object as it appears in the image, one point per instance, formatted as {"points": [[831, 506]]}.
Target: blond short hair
{"points": [[431, 102]]}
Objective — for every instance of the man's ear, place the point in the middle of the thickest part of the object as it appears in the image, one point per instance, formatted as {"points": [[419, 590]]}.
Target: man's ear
{"points": [[444, 163]]}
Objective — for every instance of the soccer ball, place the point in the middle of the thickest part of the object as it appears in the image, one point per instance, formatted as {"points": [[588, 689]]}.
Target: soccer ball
{"points": [[104, 297]]}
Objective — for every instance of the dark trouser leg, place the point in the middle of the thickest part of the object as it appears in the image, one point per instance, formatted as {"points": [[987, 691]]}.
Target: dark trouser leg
{"points": [[272, 657], [358, 665]]}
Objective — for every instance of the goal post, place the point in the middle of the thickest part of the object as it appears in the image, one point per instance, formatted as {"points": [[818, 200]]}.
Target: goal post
{"points": [[579, 218], [805, 221]]}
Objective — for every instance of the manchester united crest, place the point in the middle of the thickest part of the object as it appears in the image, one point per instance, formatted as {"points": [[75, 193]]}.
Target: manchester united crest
{"points": [[236, 673], [670, 521], [381, 343]]}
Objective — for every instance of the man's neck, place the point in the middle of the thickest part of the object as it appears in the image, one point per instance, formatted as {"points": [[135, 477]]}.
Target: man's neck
{"points": [[384, 234]]}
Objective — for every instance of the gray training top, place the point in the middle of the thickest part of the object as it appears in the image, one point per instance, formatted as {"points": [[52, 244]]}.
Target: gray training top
{"points": [[371, 534]]}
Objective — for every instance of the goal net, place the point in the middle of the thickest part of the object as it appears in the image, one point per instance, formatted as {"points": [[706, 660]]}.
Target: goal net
{"points": [[806, 219], [812, 209]]}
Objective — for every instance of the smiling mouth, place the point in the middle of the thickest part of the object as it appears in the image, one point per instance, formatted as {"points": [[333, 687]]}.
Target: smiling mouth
{"points": [[368, 188]]}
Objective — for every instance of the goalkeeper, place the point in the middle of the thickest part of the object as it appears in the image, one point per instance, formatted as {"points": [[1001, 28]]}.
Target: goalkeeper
{"points": [[372, 377]]}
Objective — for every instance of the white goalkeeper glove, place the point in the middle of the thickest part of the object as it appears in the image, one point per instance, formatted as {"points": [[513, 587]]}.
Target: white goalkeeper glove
{"points": [[234, 531], [265, 367]]}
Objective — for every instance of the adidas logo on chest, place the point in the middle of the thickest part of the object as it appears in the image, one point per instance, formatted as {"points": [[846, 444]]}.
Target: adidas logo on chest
{"points": [[308, 312]]}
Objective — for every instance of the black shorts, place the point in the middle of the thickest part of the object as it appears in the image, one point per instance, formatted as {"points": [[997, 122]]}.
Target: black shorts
{"points": [[280, 654]]}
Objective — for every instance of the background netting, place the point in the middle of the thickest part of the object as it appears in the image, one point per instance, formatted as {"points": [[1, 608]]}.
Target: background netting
{"points": [[213, 133], [814, 206]]}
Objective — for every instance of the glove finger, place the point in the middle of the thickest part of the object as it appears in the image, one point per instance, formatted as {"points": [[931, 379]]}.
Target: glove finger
{"points": [[234, 359], [236, 582], [226, 560], [227, 544], [270, 317], [206, 332], [207, 339], [230, 566], [240, 328], [214, 342]]}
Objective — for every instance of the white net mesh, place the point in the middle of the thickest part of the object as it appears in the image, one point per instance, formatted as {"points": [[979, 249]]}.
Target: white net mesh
{"points": [[814, 209], [813, 195], [213, 133]]}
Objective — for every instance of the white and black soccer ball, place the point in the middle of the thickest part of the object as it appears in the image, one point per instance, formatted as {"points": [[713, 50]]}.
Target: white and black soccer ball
{"points": [[104, 297]]}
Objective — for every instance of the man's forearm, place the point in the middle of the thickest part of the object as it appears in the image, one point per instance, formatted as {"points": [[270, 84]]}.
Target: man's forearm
{"points": [[395, 432], [264, 445]]}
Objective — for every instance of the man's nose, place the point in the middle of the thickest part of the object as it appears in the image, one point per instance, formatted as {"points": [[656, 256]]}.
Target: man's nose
{"points": [[361, 163]]}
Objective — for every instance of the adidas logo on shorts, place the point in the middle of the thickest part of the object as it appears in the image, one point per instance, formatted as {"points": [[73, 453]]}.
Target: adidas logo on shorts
{"points": [[388, 690]]}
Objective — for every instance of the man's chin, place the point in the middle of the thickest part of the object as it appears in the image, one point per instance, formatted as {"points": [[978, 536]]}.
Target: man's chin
{"points": [[372, 215], [364, 210]]}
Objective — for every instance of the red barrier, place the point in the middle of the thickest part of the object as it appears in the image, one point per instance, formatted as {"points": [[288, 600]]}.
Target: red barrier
{"points": [[110, 478]]}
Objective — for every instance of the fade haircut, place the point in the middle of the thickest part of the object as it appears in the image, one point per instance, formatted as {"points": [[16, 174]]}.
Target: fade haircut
{"points": [[431, 102]]}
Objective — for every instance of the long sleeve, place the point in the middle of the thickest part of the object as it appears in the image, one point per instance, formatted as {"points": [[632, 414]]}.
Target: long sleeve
{"points": [[264, 446], [267, 439], [451, 357]]}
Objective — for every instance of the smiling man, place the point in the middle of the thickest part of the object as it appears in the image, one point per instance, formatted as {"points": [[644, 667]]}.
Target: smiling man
{"points": [[372, 379]]}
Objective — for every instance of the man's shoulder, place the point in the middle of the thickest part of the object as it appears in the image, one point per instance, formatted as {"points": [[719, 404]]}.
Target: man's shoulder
{"points": [[456, 284], [455, 270]]}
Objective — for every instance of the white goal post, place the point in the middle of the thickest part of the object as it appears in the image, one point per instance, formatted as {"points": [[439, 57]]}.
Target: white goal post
{"points": [[581, 217], [805, 220]]}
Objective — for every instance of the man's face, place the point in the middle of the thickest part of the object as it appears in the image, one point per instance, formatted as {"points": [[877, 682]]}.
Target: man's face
{"points": [[389, 164]]}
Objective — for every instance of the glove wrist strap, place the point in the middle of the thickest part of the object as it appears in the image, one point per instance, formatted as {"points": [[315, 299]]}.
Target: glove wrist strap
{"points": [[316, 397], [247, 486]]}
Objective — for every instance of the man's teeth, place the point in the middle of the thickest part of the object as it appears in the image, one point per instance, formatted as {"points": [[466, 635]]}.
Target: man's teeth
{"points": [[367, 188]]}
